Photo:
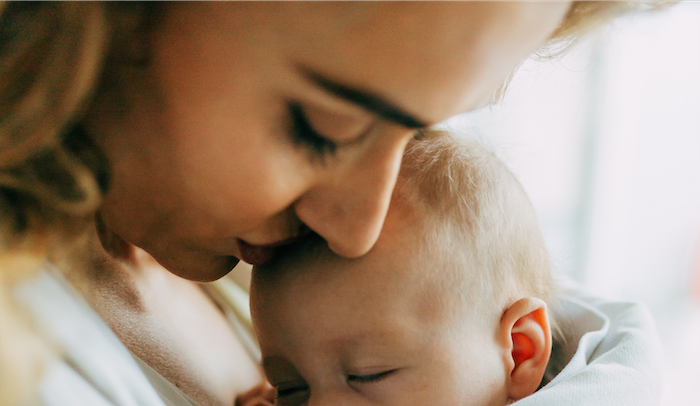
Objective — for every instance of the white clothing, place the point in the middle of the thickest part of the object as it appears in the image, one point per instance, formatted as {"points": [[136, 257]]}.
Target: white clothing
{"points": [[612, 356], [171, 394], [93, 368]]}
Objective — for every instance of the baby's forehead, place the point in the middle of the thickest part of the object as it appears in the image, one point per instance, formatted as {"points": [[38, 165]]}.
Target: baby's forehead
{"points": [[401, 270], [402, 241], [360, 301]]}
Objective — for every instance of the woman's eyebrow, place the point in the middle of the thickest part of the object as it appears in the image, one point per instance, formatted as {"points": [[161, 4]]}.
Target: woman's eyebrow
{"points": [[366, 99]]}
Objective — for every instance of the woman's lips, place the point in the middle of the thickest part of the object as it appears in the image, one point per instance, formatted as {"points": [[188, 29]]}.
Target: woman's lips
{"points": [[256, 254], [259, 254]]}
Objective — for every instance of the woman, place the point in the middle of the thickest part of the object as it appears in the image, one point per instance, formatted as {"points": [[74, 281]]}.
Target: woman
{"points": [[205, 133]]}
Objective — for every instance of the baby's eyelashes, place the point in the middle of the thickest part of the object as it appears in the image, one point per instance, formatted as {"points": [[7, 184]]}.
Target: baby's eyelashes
{"points": [[363, 379], [291, 393]]}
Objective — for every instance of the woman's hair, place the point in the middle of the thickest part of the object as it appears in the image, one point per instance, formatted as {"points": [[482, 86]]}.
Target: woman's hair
{"points": [[52, 57], [585, 16], [582, 18]]}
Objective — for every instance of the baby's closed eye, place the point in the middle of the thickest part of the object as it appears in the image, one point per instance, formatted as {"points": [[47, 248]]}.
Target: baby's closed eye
{"points": [[369, 378], [291, 393]]}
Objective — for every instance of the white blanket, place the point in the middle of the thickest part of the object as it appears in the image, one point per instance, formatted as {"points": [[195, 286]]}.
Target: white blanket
{"points": [[612, 356]]}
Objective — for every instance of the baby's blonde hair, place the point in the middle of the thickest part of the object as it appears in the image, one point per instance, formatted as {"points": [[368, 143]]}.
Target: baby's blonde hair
{"points": [[476, 218]]}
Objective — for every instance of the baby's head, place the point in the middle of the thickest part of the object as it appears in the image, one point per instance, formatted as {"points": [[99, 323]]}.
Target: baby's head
{"points": [[448, 308]]}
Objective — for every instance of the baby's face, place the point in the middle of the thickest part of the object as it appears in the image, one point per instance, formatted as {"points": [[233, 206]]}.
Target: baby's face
{"points": [[376, 330]]}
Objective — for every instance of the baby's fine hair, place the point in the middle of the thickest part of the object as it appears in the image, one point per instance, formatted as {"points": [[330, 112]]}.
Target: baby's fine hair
{"points": [[476, 218]]}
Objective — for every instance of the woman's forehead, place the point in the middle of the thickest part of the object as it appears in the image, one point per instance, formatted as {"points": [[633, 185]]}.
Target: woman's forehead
{"points": [[434, 58]]}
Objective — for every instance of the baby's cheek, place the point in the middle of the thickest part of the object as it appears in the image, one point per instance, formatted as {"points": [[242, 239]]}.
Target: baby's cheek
{"points": [[419, 388], [405, 387]]}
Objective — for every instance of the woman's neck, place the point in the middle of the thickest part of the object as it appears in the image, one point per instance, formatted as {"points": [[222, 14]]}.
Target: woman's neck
{"points": [[165, 320]]}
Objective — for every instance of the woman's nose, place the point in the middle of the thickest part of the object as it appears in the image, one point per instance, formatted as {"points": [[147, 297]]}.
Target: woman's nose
{"points": [[349, 206]]}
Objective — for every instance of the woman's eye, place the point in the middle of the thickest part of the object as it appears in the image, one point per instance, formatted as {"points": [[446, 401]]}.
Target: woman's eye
{"points": [[361, 379], [304, 134]]}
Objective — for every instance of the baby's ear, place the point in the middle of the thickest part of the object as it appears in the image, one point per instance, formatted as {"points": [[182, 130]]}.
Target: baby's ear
{"points": [[527, 339]]}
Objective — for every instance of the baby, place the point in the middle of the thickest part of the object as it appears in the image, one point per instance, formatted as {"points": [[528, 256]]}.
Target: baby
{"points": [[448, 308]]}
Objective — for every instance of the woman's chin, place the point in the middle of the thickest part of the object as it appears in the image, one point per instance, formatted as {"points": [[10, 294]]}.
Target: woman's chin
{"points": [[199, 268]]}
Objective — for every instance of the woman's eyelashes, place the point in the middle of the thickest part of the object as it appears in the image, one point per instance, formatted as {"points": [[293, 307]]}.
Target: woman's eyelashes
{"points": [[303, 133]]}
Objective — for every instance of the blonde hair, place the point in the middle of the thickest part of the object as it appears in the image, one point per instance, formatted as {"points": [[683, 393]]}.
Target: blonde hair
{"points": [[582, 18], [586, 16], [52, 55], [476, 219]]}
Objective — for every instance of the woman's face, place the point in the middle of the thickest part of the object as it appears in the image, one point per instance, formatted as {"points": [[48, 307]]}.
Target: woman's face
{"points": [[255, 122]]}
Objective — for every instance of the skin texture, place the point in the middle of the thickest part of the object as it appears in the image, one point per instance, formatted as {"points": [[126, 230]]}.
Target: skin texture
{"points": [[199, 141], [167, 321], [201, 152], [385, 330]]}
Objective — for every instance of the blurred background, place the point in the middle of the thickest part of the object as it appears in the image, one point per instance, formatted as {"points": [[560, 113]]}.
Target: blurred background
{"points": [[606, 142]]}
